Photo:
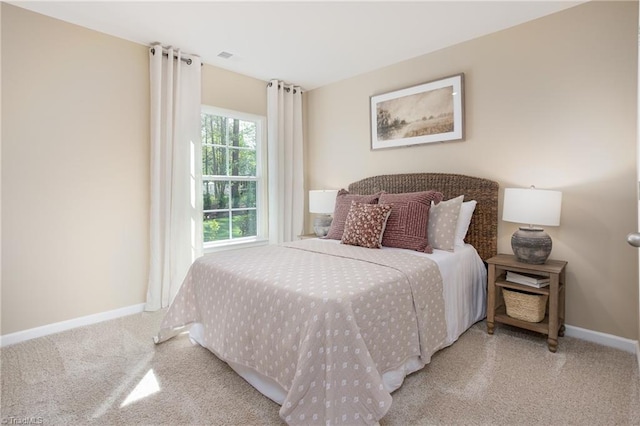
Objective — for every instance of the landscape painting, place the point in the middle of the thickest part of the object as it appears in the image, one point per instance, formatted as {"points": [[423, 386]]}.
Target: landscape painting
{"points": [[430, 112]]}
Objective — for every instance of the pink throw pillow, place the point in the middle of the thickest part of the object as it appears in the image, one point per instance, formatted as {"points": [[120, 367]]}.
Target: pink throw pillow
{"points": [[365, 224], [341, 210], [409, 219]]}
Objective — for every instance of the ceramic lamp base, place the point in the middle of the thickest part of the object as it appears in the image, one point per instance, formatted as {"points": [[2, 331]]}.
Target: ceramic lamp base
{"points": [[531, 245], [321, 225]]}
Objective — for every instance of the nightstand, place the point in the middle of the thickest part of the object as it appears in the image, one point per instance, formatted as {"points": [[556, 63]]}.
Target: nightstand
{"points": [[553, 323], [305, 236]]}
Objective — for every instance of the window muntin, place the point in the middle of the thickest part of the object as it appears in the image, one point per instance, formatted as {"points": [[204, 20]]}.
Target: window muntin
{"points": [[232, 182]]}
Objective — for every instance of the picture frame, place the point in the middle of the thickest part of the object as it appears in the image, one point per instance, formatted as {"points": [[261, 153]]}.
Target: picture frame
{"points": [[427, 113]]}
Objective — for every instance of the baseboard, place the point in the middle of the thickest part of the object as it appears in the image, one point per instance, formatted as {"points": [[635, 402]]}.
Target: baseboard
{"points": [[45, 330], [610, 340]]}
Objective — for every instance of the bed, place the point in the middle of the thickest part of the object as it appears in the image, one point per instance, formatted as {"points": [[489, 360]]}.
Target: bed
{"points": [[330, 330]]}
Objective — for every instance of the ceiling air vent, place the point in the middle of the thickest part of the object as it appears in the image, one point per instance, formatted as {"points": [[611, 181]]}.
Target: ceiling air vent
{"points": [[225, 55]]}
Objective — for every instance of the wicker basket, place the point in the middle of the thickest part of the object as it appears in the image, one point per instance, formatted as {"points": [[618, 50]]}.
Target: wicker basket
{"points": [[525, 306]]}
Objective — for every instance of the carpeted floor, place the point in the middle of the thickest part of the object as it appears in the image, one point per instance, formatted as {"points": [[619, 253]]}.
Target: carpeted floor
{"points": [[112, 374]]}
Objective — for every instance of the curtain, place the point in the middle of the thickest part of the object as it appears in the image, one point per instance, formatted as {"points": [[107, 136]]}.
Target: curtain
{"points": [[285, 153], [176, 200]]}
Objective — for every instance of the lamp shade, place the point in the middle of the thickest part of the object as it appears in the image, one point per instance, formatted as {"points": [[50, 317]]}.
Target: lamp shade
{"points": [[532, 206], [322, 201]]}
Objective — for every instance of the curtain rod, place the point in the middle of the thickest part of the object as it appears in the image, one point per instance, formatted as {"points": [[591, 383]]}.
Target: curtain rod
{"points": [[188, 61], [288, 89]]}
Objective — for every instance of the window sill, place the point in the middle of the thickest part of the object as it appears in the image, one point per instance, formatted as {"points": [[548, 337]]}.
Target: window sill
{"points": [[232, 245]]}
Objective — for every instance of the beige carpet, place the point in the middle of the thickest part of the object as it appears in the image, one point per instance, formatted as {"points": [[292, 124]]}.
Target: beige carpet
{"points": [[100, 374]]}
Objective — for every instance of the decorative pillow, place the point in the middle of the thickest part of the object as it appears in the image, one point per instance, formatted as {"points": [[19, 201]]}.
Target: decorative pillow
{"points": [[341, 210], [365, 224], [443, 219], [407, 225], [464, 219]]}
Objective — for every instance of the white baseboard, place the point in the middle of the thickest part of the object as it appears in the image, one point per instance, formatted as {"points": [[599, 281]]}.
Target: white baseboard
{"points": [[45, 330], [610, 340]]}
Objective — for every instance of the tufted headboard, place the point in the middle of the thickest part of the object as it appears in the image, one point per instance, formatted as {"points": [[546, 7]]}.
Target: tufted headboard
{"points": [[483, 230]]}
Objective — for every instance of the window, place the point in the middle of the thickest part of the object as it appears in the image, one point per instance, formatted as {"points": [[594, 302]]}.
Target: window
{"points": [[234, 204]]}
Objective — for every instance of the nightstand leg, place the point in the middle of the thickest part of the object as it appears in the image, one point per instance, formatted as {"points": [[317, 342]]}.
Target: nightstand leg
{"points": [[491, 297], [553, 313], [562, 290]]}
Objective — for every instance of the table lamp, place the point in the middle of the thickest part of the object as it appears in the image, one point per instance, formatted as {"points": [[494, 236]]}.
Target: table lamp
{"points": [[322, 202], [534, 207]]}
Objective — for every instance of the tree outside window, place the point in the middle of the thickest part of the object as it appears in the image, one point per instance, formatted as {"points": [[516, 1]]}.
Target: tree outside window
{"points": [[230, 177]]}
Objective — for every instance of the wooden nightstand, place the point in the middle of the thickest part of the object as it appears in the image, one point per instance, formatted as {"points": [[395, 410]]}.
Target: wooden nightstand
{"points": [[553, 323], [305, 236]]}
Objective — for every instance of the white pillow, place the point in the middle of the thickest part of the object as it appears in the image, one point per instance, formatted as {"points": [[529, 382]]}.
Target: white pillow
{"points": [[443, 220], [464, 219]]}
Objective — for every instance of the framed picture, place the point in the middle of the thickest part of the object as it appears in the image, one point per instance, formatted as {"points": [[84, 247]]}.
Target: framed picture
{"points": [[427, 113]]}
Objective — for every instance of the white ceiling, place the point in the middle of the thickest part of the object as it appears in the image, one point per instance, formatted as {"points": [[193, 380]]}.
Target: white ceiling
{"points": [[307, 43]]}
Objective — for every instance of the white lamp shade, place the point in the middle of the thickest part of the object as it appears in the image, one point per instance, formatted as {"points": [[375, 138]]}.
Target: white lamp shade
{"points": [[532, 206], [322, 201]]}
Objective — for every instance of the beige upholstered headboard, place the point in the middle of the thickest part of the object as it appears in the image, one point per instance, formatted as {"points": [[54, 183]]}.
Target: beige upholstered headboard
{"points": [[483, 230]]}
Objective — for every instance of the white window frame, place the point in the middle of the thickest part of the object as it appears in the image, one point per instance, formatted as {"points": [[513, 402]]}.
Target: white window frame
{"points": [[261, 179]]}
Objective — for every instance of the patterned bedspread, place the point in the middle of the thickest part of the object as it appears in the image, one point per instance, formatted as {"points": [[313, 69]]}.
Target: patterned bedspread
{"points": [[323, 320]]}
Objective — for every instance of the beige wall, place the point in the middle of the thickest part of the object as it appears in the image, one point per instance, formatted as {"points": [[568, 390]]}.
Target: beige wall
{"points": [[75, 167], [550, 103], [0, 168], [74, 171], [226, 89]]}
